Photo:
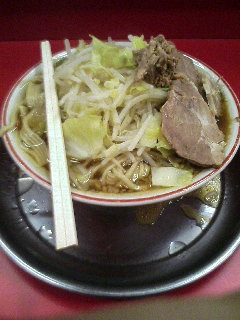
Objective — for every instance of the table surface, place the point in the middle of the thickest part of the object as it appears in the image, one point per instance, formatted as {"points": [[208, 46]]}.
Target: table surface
{"points": [[21, 295]]}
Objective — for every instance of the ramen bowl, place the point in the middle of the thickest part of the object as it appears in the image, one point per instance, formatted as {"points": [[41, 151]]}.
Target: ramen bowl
{"points": [[154, 195]]}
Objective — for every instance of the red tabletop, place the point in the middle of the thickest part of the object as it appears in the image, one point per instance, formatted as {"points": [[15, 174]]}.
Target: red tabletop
{"points": [[21, 295]]}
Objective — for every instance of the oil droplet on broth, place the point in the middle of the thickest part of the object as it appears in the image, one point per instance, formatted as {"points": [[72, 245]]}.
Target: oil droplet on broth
{"points": [[210, 192], [201, 220], [148, 215], [176, 246], [33, 207]]}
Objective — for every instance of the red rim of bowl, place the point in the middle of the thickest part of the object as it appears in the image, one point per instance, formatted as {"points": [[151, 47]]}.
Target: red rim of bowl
{"points": [[127, 202]]}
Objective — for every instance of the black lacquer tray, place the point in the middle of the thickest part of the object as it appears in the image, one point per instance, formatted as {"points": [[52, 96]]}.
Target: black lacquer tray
{"points": [[117, 256]]}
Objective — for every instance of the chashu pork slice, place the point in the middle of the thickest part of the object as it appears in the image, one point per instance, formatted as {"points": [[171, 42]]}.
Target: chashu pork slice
{"points": [[186, 68], [190, 127]]}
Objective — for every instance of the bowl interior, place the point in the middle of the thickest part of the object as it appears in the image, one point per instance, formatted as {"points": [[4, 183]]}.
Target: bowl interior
{"points": [[41, 175]]}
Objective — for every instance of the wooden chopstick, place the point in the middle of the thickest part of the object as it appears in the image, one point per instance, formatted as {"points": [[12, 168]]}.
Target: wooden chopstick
{"points": [[64, 220]]}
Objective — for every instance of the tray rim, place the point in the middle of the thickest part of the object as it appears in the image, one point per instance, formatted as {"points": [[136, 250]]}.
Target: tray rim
{"points": [[129, 292]]}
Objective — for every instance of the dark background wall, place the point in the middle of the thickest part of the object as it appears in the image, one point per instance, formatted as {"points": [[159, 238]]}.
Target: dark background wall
{"points": [[40, 19]]}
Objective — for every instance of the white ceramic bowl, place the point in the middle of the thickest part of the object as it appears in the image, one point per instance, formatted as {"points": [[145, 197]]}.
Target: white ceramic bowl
{"points": [[125, 199]]}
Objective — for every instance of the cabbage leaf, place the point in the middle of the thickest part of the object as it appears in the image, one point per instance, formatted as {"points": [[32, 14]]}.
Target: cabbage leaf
{"points": [[83, 136], [111, 56], [152, 132], [138, 43], [170, 177], [153, 136]]}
